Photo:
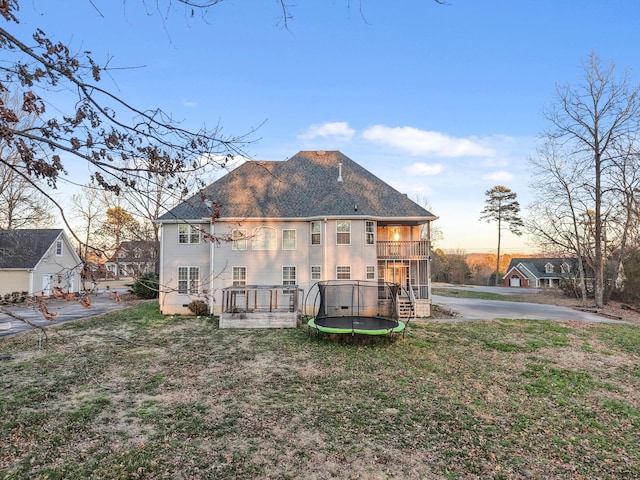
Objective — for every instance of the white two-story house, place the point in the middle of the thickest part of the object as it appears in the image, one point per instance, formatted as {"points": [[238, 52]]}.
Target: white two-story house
{"points": [[316, 216]]}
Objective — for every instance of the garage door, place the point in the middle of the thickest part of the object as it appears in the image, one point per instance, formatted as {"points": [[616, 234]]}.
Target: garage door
{"points": [[514, 281]]}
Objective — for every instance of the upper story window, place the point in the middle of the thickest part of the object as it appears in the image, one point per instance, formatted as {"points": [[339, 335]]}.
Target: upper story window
{"points": [[288, 239], [315, 233], [59, 248], [343, 232], [565, 267], [264, 238], [239, 239], [548, 268], [137, 253], [188, 233], [370, 232]]}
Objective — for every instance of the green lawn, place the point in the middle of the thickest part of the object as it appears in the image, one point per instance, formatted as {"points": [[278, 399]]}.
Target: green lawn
{"points": [[510, 297], [138, 395]]}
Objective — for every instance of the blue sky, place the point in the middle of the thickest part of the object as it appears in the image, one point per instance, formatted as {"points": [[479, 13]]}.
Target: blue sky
{"points": [[442, 102]]}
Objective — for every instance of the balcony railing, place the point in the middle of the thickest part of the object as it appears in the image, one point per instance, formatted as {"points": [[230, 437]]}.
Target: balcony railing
{"points": [[402, 249]]}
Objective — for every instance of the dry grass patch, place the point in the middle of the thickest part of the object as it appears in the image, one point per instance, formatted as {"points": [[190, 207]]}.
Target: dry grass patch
{"points": [[139, 395]]}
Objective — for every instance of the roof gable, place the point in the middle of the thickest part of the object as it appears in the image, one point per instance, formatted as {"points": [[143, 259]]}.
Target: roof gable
{"points": [[540, 267], [304, 186], [25, 248]]}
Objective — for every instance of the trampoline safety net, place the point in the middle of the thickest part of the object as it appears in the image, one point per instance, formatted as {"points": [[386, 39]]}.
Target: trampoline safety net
{"points": [[357, 298]]}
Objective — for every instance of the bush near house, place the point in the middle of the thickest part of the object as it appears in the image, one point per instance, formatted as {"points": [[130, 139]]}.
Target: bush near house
{"points": [[199, 308], [146, 286]]}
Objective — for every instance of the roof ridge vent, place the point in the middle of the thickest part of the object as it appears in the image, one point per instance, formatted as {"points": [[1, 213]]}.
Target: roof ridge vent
{"points": [[340, 171]]}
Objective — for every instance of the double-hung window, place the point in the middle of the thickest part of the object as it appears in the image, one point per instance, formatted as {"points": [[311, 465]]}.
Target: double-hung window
{"points": [[343, 232], [343, 272], [239, 276], [289, 277], [238, 239], [316, 272], [264, 238], [370, 232], [370, 272], [315, 233], [288, 239], [188, 280], [188, 233], [58, 248]]}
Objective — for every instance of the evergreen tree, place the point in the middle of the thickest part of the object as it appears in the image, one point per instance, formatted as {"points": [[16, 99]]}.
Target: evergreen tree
{"points": [[503, 208]]}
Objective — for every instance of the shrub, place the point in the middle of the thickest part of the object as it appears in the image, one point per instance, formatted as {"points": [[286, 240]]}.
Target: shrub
{"points": [[198, 307], [146, 286]]}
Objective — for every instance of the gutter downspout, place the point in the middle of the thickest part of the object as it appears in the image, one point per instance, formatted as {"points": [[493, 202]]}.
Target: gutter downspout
{"points": [[429, 260], [324, 255], [211, 266], [161, 293]]}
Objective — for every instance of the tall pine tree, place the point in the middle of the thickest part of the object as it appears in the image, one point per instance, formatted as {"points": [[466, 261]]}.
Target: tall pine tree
{"points": [[503, 208]]}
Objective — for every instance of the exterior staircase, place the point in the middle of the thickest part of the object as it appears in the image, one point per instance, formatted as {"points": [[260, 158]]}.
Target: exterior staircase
{"points": [[406, 308]]}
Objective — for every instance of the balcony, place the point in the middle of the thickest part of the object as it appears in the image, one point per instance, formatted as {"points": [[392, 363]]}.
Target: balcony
{"points": [[403, 250]]}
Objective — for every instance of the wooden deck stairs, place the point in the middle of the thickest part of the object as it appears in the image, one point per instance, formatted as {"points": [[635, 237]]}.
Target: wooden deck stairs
{"points": [[406, 308]]}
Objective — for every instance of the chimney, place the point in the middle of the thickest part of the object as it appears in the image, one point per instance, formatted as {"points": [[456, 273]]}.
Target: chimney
{"points": [[340, 172]]}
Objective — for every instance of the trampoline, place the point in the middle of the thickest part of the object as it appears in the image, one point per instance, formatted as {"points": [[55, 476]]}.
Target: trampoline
{"points": [[356, 307]]}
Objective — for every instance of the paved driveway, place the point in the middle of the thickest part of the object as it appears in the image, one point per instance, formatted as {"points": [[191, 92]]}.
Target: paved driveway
{"points": [[477, 309], [67, 311]]}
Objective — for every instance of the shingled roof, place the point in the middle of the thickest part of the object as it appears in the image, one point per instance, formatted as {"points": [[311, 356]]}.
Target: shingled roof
{"points": [[305, 186], [537, 266], [23, 249]]}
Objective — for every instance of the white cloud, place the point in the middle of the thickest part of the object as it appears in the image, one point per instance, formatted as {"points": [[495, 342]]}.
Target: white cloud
{"points": [[495, 162], [422, 142], [189, 104], [339, 130], [424, 169], [500, 176]]}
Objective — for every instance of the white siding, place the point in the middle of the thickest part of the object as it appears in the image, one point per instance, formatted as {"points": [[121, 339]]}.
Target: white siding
{"points": [[264, 267], [62, 270], [174, 255]]}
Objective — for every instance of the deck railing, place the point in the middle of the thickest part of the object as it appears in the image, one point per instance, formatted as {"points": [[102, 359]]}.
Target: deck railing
{"points": [[403, 249], [261, 298]]}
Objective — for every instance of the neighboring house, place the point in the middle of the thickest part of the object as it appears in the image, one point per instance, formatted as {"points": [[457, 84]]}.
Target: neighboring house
{"points": [[36, 261], [134, 258], [539, 272], [317, 216]]}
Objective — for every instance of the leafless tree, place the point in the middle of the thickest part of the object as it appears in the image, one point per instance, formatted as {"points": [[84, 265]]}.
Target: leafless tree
{"points": [[88, 209], [435, 232], [594, 126], [101, 129], [22, 205], [155, 195], [556, 217]]}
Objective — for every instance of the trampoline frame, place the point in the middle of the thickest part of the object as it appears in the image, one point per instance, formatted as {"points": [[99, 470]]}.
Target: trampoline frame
{"points": [[354, 329], [355, 322]]}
